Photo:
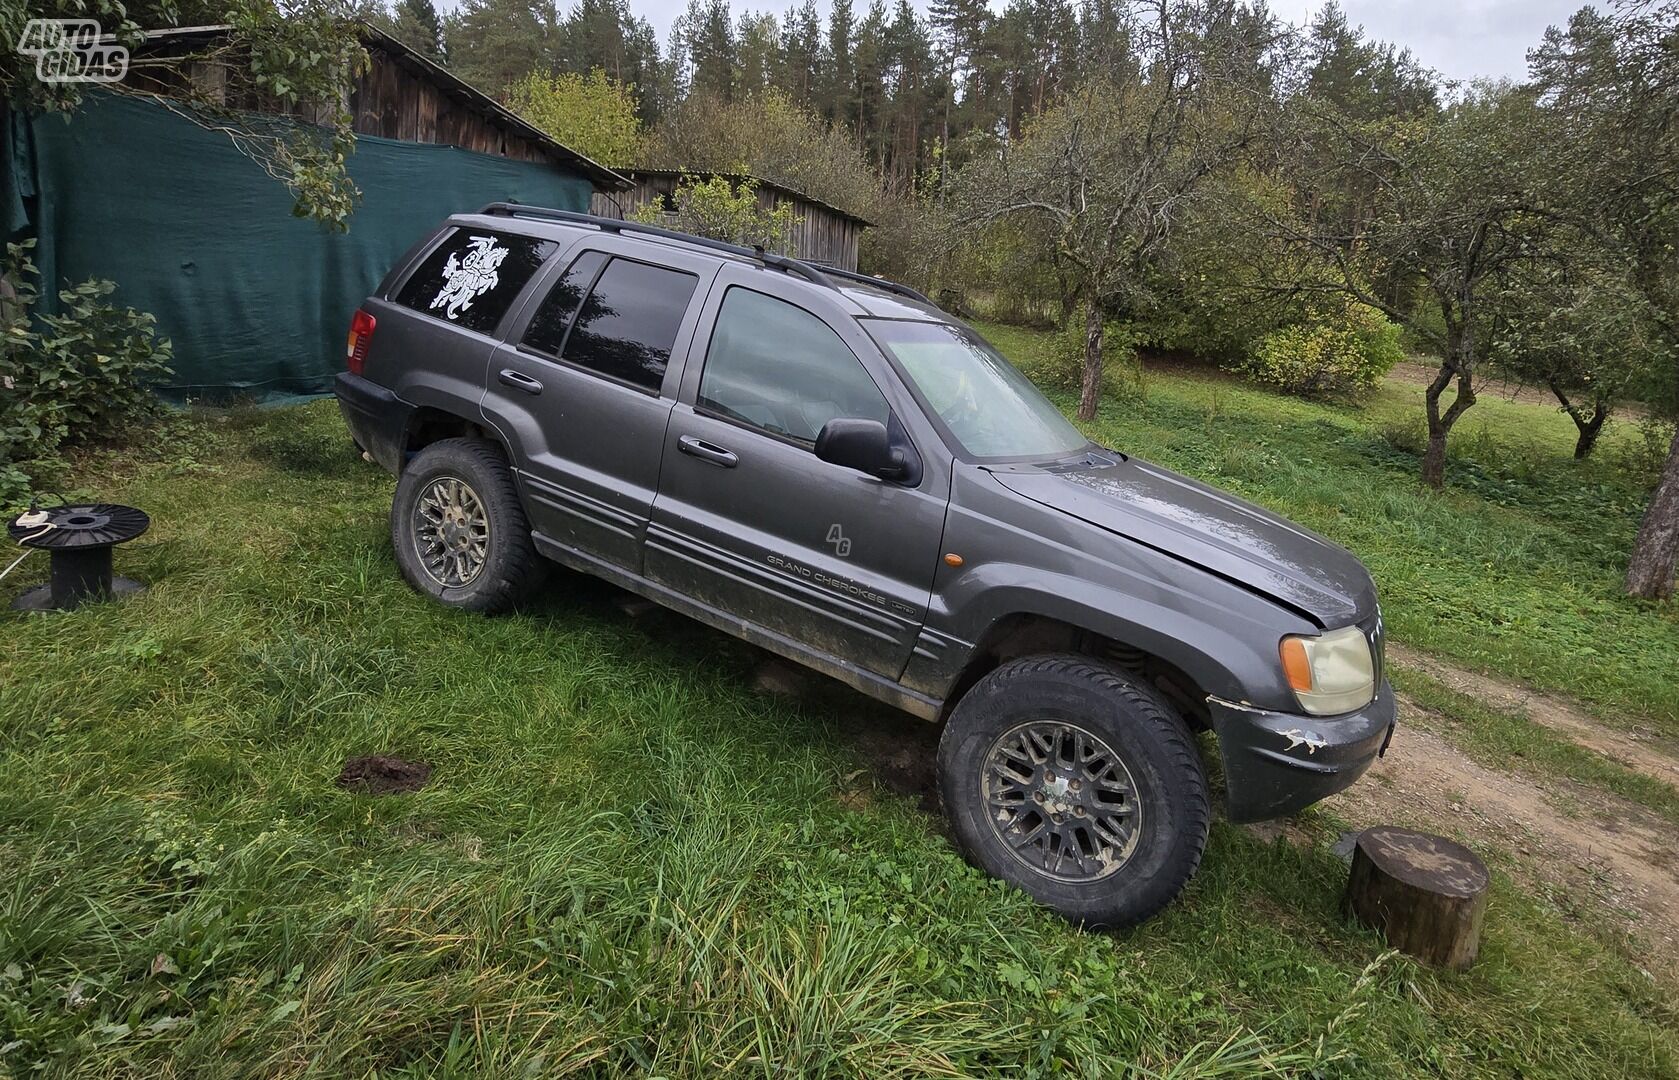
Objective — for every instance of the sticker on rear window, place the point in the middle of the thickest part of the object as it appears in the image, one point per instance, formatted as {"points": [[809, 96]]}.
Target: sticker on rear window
{"points": [[467, 279]]}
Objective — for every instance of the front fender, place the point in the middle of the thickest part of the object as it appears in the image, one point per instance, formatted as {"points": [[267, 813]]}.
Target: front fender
{"points": [[1019, 557], [1222, 658]]}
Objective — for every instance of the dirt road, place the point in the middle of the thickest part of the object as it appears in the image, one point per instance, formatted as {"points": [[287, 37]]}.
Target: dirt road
{"points": [[1581, 846]]}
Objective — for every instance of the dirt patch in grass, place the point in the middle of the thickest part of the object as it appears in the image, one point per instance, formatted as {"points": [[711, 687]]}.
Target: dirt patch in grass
{"points": [[1578, 845], [901, 751], [1639, 750], [380, 774], [903, 756]]}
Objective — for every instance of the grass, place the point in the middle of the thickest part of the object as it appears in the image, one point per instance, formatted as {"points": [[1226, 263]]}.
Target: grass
{"points": [[626, 861], [1515, 568]]}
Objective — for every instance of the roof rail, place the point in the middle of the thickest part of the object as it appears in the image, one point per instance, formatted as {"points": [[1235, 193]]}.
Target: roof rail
{"points": [[614, 225], [879, 283]]}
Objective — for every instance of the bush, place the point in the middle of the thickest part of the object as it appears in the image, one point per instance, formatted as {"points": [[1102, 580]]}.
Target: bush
{"points": [[724, 210], [66, 377], [1348, 358]]}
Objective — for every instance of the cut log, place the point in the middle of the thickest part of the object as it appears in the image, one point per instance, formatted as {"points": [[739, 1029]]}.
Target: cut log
{"points": [[1426, 894]]}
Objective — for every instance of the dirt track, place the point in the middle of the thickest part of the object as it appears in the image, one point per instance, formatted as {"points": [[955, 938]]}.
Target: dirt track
{"points": [[1584, 848]]}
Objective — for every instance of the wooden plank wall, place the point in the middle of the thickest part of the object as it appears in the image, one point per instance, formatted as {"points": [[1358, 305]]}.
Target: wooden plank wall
{"points": [[395, 103], [820, 235], [390, 100]]}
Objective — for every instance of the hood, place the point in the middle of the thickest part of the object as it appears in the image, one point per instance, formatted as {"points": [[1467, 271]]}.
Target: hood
{"points": [[1204, 527]]}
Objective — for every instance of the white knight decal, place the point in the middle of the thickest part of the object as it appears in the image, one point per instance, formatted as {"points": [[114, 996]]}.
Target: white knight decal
{"points": [[467, 279]]}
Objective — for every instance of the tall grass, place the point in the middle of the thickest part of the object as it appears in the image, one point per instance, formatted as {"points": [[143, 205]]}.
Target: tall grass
{"points": [[626, 862]]}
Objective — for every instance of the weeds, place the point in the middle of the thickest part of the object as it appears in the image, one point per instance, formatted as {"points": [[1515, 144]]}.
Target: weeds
{"points": [[625, 862]]}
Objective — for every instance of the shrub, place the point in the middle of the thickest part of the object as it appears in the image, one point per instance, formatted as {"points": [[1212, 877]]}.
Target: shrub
{"points": [[66, 377], [1347, 358], [591, 113], [724, 210]]}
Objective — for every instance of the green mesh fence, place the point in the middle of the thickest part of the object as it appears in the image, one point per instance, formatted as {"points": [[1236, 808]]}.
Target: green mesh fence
{"points": [[256, 301]]}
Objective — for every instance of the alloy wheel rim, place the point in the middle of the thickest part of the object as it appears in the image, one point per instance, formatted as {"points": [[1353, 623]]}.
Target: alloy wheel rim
{"points": [[1062, 802], [451, 532]]}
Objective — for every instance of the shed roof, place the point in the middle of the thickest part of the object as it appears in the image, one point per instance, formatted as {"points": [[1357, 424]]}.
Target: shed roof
{"points": [[736, 178], [452, 85]]}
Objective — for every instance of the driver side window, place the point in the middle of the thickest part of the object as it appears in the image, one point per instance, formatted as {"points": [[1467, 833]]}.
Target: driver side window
{"points": [[776, 367]]}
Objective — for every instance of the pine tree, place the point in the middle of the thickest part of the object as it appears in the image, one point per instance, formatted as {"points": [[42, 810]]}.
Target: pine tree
{"points": [[494, 43], [801, 53], [710, 37], [416, 24], [839, 85]]}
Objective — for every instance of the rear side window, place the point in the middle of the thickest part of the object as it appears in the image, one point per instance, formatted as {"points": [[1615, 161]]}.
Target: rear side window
{"points": [[626, 326], [472, 278], [548, 327], [779, 368]]}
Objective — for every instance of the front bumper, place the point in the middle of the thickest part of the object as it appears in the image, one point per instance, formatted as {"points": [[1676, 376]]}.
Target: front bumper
{"points": [[1276, 764]]}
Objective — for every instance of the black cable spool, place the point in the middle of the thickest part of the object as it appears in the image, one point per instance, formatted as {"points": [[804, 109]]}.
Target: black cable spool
{"points": [[79, 539]]}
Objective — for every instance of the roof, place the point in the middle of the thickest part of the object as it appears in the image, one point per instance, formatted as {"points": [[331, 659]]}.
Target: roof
{"points": [[738, 178], [869, 295], [452, 85]]}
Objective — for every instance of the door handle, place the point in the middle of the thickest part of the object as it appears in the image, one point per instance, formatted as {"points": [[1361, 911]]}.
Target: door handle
{"points": [[707, 451], [518, 380]]}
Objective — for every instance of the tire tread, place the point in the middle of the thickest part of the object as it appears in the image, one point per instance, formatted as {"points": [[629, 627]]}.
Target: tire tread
{"points": [[1143, 704], [519, 567]]}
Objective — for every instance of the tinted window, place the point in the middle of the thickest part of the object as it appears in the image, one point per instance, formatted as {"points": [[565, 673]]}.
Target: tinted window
{"points": [[553, 317], [628, 324], [473, 276], [780, 368]]}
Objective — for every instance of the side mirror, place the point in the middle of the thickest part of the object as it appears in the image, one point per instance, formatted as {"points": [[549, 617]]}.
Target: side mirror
{"points": [[863, 445]]}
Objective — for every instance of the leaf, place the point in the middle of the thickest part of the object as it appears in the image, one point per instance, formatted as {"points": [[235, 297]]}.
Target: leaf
{"points": [[283, 1010]]}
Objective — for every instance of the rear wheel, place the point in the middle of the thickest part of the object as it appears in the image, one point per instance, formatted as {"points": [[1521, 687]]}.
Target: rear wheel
{"points": [[1070, 780], [459, 530]]}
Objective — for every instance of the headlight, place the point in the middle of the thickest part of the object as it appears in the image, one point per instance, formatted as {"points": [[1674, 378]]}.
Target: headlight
{"points": [[1332, 673]]}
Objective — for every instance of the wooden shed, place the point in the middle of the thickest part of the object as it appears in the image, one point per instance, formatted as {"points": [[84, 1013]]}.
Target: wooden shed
{"points": [[402, 95], [823, 233]]}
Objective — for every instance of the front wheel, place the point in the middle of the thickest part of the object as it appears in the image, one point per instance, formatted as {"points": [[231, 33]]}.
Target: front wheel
{"points": [[1065, 777], [459, 530]]}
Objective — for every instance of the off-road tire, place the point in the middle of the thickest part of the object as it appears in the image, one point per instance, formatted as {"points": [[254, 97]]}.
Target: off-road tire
{"points": [[512, 567], [1149, 737]]}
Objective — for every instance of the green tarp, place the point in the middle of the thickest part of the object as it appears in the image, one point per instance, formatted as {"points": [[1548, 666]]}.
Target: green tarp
{"points": [[256, 301]]}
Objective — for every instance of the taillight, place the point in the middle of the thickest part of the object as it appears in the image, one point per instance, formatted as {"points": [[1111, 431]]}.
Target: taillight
{"points": [[361, 335]]}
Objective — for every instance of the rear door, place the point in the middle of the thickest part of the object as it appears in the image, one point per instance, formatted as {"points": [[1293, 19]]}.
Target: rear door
{"points": [[583, 389], [749, 522]]}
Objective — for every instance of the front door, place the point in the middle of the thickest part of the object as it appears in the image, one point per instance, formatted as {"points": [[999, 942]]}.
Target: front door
{"points": [[580, 392], [748, 520]]}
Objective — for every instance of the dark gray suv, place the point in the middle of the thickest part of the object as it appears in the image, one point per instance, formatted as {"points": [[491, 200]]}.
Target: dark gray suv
{"points": [[832, 468]]}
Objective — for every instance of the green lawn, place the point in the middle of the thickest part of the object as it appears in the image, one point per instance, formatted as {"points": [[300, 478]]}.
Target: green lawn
{"points": [[1515, 568], [629, 862]]}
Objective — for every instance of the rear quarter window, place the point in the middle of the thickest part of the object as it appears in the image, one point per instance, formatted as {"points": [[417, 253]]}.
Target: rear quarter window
{"points": [[472, 278]]}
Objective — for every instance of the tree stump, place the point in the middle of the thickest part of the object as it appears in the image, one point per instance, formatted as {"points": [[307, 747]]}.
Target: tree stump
{"points": [[1426, 894]]}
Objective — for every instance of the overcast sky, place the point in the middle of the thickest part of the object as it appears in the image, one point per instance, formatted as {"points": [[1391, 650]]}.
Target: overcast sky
{"points": [[1462, 39]]}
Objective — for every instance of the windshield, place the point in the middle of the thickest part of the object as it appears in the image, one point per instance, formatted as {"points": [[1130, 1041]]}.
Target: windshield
{"points": [[987, 404]]}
